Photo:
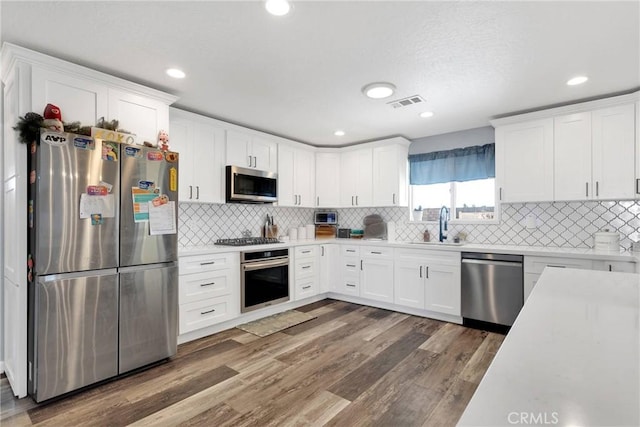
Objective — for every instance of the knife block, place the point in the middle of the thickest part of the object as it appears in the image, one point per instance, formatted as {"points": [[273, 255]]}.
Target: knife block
{"points": [[271, 231]]}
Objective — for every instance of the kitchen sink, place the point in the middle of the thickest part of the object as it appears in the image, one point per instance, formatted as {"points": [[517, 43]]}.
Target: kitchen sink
{"points": [[438, 243]]}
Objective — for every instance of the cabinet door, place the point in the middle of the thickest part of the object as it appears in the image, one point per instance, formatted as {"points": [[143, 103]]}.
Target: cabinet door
{"points": [[137, 114], [525, 161], [613, 152], [572, 157], [377, 279], [409, 284], [304, 178], [286, 161], [238, 149], [329, 267], [348, 178], [264, 154], [79, 99], [390, 176], [182, 142], [327, 180], [364, 187], [208, 174], [442, 291]]}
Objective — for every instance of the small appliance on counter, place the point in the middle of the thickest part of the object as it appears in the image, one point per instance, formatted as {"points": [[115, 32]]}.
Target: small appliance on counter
{"points": [[344, 233], [326, 224], [356, 233], [374, 227], [606, 241]]}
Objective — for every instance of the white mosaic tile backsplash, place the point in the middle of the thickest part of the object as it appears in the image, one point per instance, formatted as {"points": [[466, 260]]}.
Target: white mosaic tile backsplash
{"points": [[560, 224]]}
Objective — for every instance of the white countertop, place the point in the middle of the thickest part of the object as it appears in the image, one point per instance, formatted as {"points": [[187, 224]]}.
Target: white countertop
{"points": [[571, 358], [585, 253]]}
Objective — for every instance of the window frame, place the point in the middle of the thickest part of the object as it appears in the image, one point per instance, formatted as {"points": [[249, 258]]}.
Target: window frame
{"points": [[452, 199]]}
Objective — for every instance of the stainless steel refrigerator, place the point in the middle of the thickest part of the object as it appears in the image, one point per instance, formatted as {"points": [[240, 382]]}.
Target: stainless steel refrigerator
{"points": [[103, 275]]}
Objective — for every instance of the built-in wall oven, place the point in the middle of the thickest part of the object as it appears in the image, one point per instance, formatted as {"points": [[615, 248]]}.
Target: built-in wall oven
{"points": [[264, 278]]}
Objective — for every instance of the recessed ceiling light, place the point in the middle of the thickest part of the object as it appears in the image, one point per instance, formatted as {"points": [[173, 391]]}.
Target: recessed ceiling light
{"points": [[379, 90], [175, 73], [277, 7], [577, 80], [426, 114], [339, 133]]}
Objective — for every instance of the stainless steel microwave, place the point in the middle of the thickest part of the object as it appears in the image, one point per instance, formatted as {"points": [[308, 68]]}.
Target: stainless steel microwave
{"points": [[244, 185]]}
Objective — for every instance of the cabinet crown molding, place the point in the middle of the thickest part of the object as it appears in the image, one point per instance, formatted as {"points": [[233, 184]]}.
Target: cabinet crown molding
{"points": [[568, 109], [13, 54]]}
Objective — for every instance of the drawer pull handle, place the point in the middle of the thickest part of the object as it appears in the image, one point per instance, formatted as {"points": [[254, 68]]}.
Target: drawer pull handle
{"points": [[556, 266], [306, 252], [306, 266], [207, 263], [377, 253], [207, 284], [207, 312], [350, 285], [351, 265], [351, 250], [306, 287]]}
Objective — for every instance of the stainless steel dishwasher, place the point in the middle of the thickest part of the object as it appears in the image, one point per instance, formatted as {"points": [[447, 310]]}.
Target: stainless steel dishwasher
{"points": [[492, 287]]}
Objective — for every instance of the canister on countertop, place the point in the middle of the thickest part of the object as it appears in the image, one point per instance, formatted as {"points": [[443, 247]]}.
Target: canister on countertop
{"points": [[606, 241]]}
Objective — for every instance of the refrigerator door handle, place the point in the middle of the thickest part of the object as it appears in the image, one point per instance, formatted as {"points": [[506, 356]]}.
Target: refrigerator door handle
{"points": [[147, 267]]}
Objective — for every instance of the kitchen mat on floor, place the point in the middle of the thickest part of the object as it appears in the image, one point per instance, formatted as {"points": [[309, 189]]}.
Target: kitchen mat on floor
{"points": [[277, 322]]}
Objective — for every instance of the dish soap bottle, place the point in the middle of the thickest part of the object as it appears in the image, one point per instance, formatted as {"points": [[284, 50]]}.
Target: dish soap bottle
{"points": [[427, 236]]}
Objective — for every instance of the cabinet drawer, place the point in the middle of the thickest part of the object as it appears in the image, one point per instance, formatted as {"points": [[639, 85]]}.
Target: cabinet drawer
{"points": [[376, 252], [200, 263], [305, 268], [199, 286], [350, 266], [347, 250], [306, 251], [306, 288], [348, 286], [538, 264], [200, 314]]}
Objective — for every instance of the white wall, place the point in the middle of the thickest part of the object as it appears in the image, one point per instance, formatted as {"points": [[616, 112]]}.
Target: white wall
{"points": [[449, 141]]}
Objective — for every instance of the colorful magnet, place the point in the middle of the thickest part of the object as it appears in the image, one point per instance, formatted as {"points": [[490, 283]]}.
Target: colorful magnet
{"points": [[133, 152], [97, 190], [155, 156], [96, 219], [33, 148], [110, 151], [173, 179], [30, 213], [146, 185], [106, 185], [54, 138], [171, 156], [32, 177], [84, 143], [160, 200]]}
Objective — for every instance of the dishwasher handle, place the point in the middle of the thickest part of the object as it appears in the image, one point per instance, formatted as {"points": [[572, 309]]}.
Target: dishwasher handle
{"points": [[491, 262]]}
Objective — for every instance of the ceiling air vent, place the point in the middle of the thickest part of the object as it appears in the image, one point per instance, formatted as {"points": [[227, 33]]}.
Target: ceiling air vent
{"points": [[405, 102]]}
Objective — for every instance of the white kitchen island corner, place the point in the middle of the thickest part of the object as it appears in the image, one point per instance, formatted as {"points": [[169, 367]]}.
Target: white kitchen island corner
{"points": [[571, 358]]}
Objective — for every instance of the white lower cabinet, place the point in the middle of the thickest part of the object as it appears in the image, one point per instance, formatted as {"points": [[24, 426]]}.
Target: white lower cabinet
{"points": [[329, 267], [306, 271], [209, 290], [428, 280], [376, 273], [349, 271], [534, 266]]}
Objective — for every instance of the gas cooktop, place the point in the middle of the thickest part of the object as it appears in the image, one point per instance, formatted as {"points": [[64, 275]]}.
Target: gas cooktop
{"points": [[246, 241]]}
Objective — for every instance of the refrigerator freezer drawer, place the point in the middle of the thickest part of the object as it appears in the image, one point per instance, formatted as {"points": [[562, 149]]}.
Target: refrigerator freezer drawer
{"points": [[76, 332], [148, 315]]}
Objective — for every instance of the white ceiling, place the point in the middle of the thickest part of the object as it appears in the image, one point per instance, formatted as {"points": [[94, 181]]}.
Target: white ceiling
{"points": [[300, 76]]}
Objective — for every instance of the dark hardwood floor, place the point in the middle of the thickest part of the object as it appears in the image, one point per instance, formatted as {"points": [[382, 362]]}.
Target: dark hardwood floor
{"points": [[351, 366]]}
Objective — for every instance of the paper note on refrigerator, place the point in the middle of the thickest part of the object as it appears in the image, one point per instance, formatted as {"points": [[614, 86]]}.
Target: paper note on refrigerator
{"points": [[162, 218], [141, 198], [103, 205]]}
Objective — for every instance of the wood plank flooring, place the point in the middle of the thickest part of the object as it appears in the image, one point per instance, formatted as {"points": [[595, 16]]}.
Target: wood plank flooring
{"points": [[350, 366]]}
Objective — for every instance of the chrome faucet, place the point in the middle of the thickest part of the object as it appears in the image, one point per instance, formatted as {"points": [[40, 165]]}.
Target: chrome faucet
{"points": [[443, 220]]}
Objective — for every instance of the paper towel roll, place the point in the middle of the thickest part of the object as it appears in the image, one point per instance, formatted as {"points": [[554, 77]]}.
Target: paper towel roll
{"points": [[391, 231], [302, 233], [311, 231]]}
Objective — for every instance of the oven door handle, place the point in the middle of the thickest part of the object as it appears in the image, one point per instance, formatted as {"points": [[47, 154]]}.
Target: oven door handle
{"points": [[265, 264]]}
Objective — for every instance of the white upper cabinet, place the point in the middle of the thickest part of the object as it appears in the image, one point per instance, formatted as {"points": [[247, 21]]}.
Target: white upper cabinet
{"points": [[390, 175], [524, 161], [200, 143], [594, 154], [356, 171], [637, 150], [328, 180], [137, 114], [249, 151], [613, 131], [79, 99], [572, 155], [295, 176]]}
